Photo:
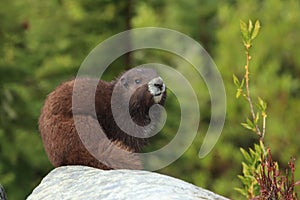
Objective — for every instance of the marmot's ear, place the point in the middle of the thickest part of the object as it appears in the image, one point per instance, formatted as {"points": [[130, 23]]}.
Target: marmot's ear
{"points": [[124, 82]]}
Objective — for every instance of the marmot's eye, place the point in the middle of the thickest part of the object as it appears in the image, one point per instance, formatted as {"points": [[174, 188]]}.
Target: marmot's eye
{"points": [[137, 81]]}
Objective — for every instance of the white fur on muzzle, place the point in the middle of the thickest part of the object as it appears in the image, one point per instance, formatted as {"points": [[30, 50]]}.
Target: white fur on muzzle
{"points": [[157, 87]]}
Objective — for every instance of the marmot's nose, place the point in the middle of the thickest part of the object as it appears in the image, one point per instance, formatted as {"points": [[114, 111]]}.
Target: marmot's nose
{"points": [[159, 83]]}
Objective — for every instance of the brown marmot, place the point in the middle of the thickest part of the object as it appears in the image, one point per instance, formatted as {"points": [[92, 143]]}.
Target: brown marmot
{"points": [[137, 90]]}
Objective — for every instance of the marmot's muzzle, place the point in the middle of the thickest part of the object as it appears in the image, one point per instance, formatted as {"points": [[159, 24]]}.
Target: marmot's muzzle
{"points": [[156, 87]]}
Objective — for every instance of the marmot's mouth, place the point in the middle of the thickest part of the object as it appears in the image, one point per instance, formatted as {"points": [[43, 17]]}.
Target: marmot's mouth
{"points": [[157, 94]]}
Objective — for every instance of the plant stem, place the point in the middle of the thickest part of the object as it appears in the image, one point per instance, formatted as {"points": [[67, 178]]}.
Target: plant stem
{"points": [[264, 125], [248, 97]]}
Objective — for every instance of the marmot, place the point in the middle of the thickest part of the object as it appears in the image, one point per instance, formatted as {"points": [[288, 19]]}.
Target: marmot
{"points": [[137, 89]]}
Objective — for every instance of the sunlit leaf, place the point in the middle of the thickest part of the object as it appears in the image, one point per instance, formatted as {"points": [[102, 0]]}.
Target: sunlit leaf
{"points": [[262, 104], [250, 26], [244, 31], [247, 126], [256, 118], [246, 155], [250, 122], [238, 93], [236, 80], [242, 191], [256, 30], [242, 83]]}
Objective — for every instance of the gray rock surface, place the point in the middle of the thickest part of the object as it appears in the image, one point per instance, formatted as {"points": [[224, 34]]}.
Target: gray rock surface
{"points": [[81, 182], [2, 193]]}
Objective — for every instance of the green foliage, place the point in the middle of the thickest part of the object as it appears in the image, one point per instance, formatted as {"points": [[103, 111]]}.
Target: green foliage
{"points": [[249, 32], [275, 71], [239, 85], [42, 43], [261, 175], [262, 178], [251, 167]]}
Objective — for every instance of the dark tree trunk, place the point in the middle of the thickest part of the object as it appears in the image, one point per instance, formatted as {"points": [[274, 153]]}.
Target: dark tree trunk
{"points": [[128, 56]]}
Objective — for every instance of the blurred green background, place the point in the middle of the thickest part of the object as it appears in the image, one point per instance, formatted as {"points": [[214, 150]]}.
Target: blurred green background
{"points": [[43, 43]]}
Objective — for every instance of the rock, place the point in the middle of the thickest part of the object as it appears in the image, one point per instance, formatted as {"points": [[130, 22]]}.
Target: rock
{"points": [[82, 182], [2, 193]]}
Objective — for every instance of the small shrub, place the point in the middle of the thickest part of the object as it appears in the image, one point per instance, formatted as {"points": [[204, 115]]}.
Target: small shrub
{"points": [[261, 177]]}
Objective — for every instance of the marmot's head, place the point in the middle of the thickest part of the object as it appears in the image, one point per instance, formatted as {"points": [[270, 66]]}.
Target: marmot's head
{"points": [[144, 86], [138, 90]]}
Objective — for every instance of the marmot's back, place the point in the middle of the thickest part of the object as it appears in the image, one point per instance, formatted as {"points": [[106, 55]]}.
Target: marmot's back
{"points": [[58, 131]]}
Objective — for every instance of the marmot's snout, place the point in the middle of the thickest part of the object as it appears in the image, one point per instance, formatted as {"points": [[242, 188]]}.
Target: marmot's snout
{"points": [[157, 87]]}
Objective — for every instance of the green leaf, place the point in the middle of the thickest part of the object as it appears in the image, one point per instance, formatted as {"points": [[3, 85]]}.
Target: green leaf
{"points": [[242, 191], [256, 30], [256, 118], [250, 26], [244, 31], [258, 148], [250, 122], [262, 104], [238, 93], [245, 180], [246, 155], [242, 83], [242, 178], [245, 125], [255, 155], [236, 80], [238, 84], [248, 125], [245, 169]]}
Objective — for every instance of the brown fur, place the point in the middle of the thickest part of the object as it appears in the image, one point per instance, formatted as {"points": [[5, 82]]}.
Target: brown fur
{"points": [[60, 137]]}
